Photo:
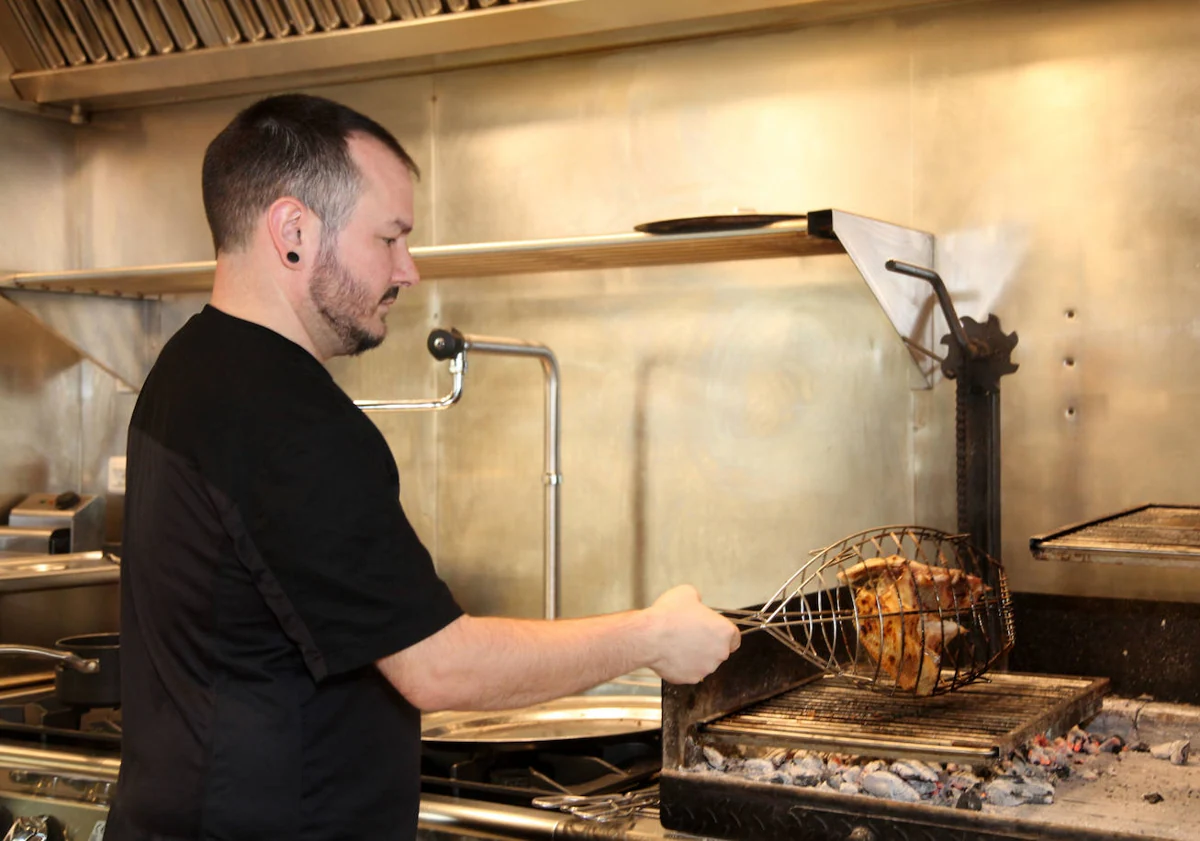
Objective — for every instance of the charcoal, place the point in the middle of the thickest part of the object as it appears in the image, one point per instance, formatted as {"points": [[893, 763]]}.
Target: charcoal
{"points": [[714, 758], [779, 757], [758, 769], [849, 788], [809, 771], [876, 765], [1039, 756], [1017, 767], [1113, 744], [970, 800], [923, 787], [888, 786], [852, 774], [1176, 752], [1077, 737], [914, 769], [1010, 792], [964, 780], [1153, 798]]}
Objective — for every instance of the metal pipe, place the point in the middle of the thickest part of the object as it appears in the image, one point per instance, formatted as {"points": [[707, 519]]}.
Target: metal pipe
{"points": [[59, 763], [458, 366], [552, 477], [453, 345], [449, 814]]}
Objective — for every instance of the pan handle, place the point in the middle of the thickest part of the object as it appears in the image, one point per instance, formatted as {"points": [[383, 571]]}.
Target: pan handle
{"points": [[72, 661]]}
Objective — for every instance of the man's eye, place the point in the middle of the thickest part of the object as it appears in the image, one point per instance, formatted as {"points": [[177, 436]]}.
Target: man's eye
{"points": [[390, 241]]}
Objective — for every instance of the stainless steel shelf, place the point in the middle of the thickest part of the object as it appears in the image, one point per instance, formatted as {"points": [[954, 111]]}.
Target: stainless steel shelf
{"points": [[480, 260]]}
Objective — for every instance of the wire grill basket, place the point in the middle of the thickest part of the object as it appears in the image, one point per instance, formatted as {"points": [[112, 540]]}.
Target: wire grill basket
{"points": [[902, 609]]}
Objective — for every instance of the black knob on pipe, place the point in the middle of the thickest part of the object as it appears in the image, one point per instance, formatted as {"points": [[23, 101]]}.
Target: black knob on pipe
{"points": [[446, 344]]}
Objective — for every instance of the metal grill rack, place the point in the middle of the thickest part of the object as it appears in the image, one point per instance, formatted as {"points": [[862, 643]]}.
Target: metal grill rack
{"points": [[980, 723], [1151, 535]]}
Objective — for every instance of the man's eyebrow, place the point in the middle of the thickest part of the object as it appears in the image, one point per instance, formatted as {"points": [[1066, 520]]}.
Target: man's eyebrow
{"points": [[405, 227]]}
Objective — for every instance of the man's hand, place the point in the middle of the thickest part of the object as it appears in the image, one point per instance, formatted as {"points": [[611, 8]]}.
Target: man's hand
{"points": [[689, 639]]}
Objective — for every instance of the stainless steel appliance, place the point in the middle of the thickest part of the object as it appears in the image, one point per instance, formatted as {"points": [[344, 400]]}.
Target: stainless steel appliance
{"points": [[51, 524]]}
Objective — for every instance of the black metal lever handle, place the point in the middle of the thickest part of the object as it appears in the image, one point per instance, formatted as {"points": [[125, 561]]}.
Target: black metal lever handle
{"points": [[446, 344], [943, 295]]}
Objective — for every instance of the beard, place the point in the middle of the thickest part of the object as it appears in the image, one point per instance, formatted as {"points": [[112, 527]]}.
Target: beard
{"points": [[344, 303]]}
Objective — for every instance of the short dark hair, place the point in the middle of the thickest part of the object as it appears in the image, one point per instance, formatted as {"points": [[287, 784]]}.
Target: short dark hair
{"points": [[287, 145]]}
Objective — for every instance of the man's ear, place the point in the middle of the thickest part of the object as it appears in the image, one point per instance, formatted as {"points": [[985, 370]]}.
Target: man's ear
{"points": [[292, 227]]}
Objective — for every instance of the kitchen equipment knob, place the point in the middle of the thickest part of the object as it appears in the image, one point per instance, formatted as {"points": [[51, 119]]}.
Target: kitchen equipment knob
{"points": [[446, 344], [65, 500], [862, 833]]}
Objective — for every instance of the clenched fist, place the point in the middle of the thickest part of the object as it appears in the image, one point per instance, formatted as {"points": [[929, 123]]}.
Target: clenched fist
{"points": [[688, 640]]}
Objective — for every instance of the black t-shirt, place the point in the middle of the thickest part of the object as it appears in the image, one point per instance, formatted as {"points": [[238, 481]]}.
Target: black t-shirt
{"points": [[267, 564]]}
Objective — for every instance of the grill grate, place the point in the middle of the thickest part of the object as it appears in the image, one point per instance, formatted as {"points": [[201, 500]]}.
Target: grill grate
{"points": [[1165, 535], [979, 723]]}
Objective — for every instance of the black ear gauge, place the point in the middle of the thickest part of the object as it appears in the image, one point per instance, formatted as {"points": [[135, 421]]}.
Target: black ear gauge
{"points": [[293, 257]]}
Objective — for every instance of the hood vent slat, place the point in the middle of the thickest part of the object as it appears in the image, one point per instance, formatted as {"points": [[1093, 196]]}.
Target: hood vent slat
{"points": [[37, 33], [74, 33], [153, 25], [177, 21], [131, 28]]}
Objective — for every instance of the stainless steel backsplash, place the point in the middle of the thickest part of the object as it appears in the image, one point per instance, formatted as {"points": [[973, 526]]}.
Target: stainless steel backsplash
{"points": [[721, 421]]}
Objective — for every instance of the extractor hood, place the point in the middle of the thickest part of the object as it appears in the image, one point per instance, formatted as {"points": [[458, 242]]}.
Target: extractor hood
{"points": [[95, 55]]}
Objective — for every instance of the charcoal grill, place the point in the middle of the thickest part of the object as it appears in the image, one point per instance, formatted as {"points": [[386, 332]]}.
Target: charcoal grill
{"points": [[764, 698]]}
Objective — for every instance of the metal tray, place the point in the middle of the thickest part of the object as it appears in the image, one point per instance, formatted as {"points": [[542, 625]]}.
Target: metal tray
{"points": [[573, 717], [706, 224], [1149, 535]]}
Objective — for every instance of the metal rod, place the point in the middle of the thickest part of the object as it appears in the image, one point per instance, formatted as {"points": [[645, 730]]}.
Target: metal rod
{"points": [[552, 477], [943, 295], [73, 661], [59, 763], [447, 814], [458, 367]]}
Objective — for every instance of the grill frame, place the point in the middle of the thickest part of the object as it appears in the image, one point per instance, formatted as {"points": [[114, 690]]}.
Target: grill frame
{"points": [[711, 805], [747, 811]]}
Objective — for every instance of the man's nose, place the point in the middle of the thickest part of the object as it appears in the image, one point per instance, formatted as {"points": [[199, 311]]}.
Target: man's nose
{"points": [[404, 270]]}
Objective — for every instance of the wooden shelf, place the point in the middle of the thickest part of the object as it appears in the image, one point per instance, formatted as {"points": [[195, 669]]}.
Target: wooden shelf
{"points": [[480, 260]]}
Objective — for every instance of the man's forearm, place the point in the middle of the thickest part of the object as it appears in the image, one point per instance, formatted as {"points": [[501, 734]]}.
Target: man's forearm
{"points": [[497, 663]]}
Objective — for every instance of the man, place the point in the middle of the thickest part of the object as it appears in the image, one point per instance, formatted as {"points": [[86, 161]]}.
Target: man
{"points": [[282, 625]]}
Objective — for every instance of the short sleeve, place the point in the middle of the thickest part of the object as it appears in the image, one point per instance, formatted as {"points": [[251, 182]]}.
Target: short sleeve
{"points": [[324, 515]]}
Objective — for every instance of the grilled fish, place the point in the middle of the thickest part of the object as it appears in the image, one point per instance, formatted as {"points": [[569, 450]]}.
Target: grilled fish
{"points": [[907, 614]]}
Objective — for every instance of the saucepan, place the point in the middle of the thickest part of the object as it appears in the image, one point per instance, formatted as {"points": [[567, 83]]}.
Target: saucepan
{"points": [[88, 671]]}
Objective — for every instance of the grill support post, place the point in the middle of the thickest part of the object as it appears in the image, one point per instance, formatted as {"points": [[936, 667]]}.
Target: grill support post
{"points": [[977, 356]]}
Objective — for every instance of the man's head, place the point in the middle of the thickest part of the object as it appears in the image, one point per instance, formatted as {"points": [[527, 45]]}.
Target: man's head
{"points": [[319, 196]]}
